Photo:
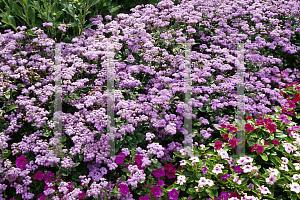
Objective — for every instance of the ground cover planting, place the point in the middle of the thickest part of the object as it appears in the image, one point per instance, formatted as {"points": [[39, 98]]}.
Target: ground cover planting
{"points": [[149, 47]]}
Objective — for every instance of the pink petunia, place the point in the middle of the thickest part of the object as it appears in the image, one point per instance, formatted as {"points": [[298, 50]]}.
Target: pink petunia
{"points": [[21, 161], [156, 191], [144, 198], [124, 189], [173, 194], [138, 159], [120, 158], [159, 172], [48, 177], [39, 175], [81, 195]]}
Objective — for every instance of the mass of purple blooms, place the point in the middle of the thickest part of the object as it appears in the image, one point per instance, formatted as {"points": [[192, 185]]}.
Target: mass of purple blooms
{"points": [[149, 91]]}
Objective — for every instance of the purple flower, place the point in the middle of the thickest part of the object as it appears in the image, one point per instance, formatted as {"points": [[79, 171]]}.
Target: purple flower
{"points": [[238, 169], [124, 189], [156, 191], [21, 161], [39, 175], [225, 176], [120, 158], [159, 172], [173, 194], [204, 171], [161, 182], [284, 119], [144, 198], [138, 159], [47, 24]]}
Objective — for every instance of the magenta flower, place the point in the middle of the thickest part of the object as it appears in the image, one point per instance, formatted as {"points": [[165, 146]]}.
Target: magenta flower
{"points": [[161, 182], [173, 194], [138, 159], [21, 162], [218, 145], [120, 158], [284, 119], [225, 176], [159, 172], [39, 175], [169, 167], [204, 171], [144, 198], [124, 189], [81, 195], [248, 127], [156, 191], [238, 169], [48, 177], [233, 142], [275, 142], [171, 174], [271, 127], [260, 149], [41, 197]]}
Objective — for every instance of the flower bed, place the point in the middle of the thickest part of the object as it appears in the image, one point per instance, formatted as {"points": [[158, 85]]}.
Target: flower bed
{"points": [[150, 106]]}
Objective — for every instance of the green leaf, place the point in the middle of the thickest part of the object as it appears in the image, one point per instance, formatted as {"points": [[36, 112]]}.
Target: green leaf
{"points": [[92, 3], [18, 10], [182, 187], [191, 191], [12, 20], [7, 94], [264, 156], [294, 196], [125, 170], [280, 134], [31, 14], [123, 178], [115, 9], [12, 107], [210, 193]]}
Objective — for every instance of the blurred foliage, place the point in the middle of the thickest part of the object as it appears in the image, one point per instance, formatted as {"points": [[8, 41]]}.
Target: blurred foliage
{"points": [[33, 13]]}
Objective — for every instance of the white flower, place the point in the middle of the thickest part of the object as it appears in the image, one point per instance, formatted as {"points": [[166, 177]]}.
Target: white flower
{"points": [[217, 170], [202, 182], [182, 162], [289, 148], [223, 154], [284, 167], [297, 166], [295, 187], [209, 182], [249, 198], [181, 179], [284, 160], [297, 154], [273, 171], [194, 159], [202, 146], [264, 190], [296, 176], [247, 168], [182, 152], [272, 179]]}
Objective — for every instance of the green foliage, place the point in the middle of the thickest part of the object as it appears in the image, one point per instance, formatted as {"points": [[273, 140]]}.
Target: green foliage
{"points": [[33, 13]]}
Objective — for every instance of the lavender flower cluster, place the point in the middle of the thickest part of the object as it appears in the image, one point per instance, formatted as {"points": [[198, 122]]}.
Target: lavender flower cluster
{"points": [[147, 55]]}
